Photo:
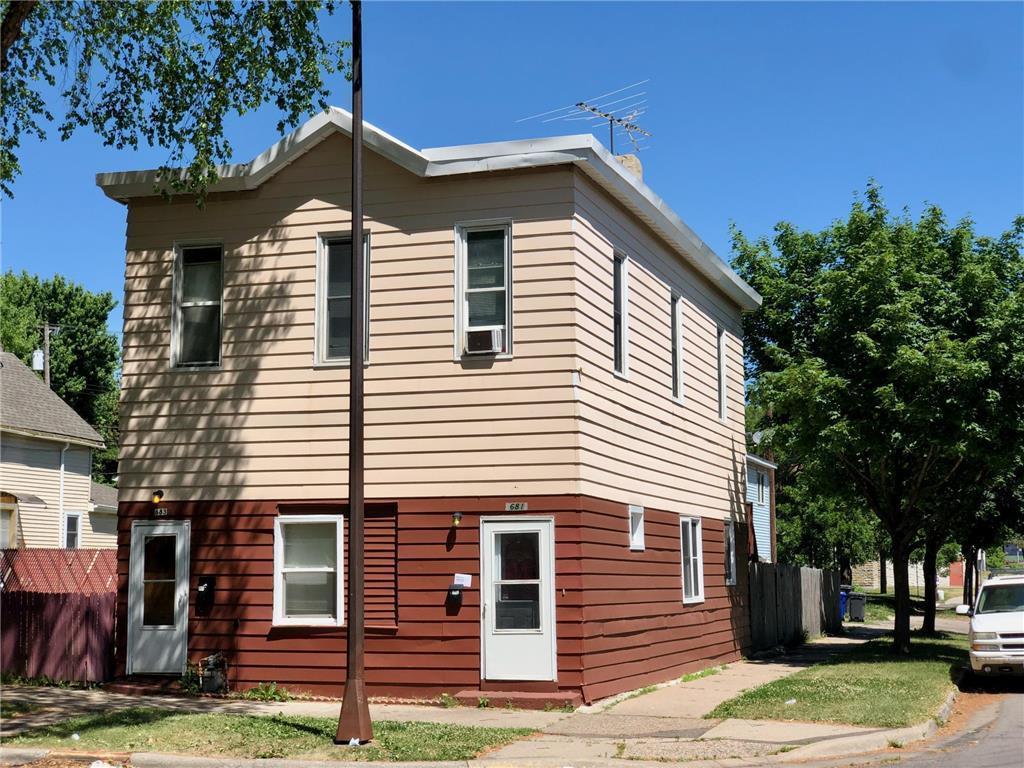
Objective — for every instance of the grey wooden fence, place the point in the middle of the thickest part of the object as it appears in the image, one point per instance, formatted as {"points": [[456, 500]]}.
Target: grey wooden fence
{"points": [[787, 601]]}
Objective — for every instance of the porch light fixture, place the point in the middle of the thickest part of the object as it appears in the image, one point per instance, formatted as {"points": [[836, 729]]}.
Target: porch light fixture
{"points": [[456, 519], [158, 496]]}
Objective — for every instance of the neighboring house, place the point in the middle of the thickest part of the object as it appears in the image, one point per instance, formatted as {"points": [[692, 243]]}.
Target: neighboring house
{"points": [[46, 496], [761, 497], [554, 395], [868, 575]]}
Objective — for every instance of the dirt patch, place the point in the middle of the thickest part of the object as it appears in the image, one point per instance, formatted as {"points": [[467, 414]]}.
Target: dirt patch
{"points": [[66, 762]]}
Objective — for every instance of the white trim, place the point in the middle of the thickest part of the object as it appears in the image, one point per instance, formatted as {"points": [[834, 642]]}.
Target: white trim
{"points": [[698, 596], [64, 530], [320, 358], [636, 537], [51, 437], [729, 532], [722, 374], [60, 496], [757, 460], [582, 150], [462, 228], [279, 619], [623, 337], [177, 281]]}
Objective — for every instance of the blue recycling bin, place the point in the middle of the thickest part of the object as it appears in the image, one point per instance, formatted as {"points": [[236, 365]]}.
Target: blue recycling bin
{"points": [[844, 594]]}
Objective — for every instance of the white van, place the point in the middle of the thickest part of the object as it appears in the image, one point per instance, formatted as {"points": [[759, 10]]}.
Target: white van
{"points": [[997, 626]]}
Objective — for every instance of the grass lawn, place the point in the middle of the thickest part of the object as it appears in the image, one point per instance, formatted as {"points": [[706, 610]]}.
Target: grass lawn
{"points": [[866, 686], [218, 735]]}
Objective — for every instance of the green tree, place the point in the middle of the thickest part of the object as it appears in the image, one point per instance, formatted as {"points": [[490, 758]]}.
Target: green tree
{"points": [[163, 73], [84, 356], [889, 350]]}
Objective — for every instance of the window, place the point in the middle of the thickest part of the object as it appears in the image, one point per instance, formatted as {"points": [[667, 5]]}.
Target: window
{"points": [[676, 319], [620, 314], [334, 299], [308, 570], [484, 281], [197, 314], [636, 528], [730, 553], [72, 530], [692, 559], [762, 487], [721, 374], [6, 527]]}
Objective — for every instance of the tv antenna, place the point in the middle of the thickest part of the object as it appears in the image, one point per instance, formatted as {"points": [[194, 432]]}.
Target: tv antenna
{"points": [[621, 117]]}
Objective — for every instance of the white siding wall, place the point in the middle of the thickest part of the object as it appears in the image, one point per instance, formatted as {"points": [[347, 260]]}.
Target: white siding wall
{"points": [[32, 466], [762, 515]]}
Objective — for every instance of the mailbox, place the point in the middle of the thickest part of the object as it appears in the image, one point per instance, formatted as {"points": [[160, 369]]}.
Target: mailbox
{"points": [[205, 595]]}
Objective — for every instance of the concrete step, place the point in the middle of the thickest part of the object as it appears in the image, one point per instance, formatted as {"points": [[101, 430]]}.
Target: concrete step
{"points": [[520, 699], [145, 685]]}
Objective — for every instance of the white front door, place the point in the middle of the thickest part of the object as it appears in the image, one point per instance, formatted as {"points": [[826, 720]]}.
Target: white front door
{"points": [[158, 597], [517, 590]]}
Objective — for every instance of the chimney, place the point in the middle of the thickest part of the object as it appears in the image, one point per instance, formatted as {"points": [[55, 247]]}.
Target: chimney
{"points": [[632, 163]]}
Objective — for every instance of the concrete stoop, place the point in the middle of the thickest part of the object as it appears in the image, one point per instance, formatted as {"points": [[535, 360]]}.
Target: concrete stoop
{"points": [[519, 699]]}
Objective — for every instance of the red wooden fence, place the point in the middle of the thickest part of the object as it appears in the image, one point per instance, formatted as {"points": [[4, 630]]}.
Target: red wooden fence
{"points": [[57, 608]]}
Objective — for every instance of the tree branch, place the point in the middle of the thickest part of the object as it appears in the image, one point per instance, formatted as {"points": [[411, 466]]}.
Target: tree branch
{"points": [[14, 19]]}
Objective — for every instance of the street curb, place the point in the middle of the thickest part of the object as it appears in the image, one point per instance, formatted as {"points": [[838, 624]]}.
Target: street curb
{"points": [[871, 742], [18, 756], [161, 760]]}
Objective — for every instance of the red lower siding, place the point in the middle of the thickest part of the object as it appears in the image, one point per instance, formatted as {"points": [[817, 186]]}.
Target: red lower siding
{"points": [[620, 619]]}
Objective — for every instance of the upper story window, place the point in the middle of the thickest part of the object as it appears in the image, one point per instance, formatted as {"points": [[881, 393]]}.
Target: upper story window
{"points": [[722, 390], [620, 313], [72, 530], [692, 546], [484, 281], [197, 306], [308, 584], [676, 318], [762, 487], [334, 299]]}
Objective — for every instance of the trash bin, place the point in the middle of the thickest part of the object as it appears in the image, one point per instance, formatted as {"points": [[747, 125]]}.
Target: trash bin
{"points": [[857, 601], [844, 594]]}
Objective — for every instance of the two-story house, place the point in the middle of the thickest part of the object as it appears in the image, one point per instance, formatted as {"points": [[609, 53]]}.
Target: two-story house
{"points": [[47, 497], [554, 414]]}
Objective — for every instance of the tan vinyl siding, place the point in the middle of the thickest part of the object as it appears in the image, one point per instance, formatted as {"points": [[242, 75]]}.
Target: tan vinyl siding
{"points": [[638, 444], [271, 425], [32, 466]]}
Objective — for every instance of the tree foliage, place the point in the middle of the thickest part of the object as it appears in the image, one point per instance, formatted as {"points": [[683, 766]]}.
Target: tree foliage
{"points": [[890, 355], [162, 73], [84, 357]]}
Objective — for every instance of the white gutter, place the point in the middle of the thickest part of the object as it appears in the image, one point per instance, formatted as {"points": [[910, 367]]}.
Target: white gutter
{"points": [[60, 504]]}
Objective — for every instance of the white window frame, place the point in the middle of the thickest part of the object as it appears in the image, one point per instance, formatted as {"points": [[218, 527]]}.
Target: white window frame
{"points": [[462, 229], [280, 619], [730, 553], [687, 524], [762, 486], [64, 530], [636, 528], [622, 340], [320, 324], [177, 284], [676, 340], [723, 405]]}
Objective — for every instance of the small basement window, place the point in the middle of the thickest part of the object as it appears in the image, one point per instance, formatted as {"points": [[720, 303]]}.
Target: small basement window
{"points": [[308, 589], [636, 528], [692, 550], [197, 310]]}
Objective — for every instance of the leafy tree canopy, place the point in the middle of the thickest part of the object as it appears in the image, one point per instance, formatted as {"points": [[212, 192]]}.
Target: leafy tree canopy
{"points": [[84, 355], [890, 355], [162, 73]]}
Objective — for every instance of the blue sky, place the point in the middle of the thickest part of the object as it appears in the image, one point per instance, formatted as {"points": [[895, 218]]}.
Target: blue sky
{"points": [[759, 112]]}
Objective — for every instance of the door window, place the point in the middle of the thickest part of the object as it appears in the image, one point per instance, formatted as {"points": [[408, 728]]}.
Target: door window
{"points": [[158, 580], [517, 588]]}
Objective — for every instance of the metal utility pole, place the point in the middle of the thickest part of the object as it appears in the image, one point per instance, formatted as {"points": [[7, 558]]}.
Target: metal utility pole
{"points": [[354, 726]]}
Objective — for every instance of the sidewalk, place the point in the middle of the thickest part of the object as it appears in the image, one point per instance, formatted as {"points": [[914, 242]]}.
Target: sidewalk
{"points": [[667, 724]]}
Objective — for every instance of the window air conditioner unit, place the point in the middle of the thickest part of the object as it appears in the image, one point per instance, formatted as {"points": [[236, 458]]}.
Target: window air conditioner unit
{"points": [[486, 342]]}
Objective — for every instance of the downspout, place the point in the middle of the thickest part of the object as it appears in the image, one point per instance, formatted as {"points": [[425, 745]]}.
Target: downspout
{"points": [[60, 503]]}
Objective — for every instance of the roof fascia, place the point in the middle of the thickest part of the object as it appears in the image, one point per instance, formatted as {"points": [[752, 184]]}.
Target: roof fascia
{"points": [[52, 437]]}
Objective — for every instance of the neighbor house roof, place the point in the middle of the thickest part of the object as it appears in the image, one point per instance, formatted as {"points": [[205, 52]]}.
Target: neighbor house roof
{"points": [[103, 497], [758, 461], [583, 151], [29, 407]]}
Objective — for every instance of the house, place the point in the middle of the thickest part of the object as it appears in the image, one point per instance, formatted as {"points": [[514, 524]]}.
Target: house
{"points": [[554, 395], [47, 498], [761, 498]]}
